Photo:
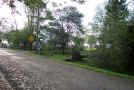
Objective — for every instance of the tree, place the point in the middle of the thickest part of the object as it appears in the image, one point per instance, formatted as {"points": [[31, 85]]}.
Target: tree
{"points": [[1, 36], [19, 38], [92, 40], [37, 14], [58, 35], [67, 23], [79, 1], [129, 47], [113, 34], [98, 20]]}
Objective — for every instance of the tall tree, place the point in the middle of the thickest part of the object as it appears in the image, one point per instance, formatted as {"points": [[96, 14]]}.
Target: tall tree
{"points": [[113, 35], [67, 23]]}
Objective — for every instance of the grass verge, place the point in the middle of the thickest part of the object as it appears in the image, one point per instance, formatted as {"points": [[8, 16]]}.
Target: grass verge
{"points": [[61, 58]]}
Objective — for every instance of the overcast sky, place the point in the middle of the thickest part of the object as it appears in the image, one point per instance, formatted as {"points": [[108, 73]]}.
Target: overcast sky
{"points": [[88, 9]]}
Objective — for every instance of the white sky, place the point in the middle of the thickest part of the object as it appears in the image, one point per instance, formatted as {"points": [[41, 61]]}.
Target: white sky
{"points": [[88, 10], [6, 12]]}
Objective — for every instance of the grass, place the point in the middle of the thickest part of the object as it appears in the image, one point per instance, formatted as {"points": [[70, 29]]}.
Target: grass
{"points": [[61, 58], [90, 49]]}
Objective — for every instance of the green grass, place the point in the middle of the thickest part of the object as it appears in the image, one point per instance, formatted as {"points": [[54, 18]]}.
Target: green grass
{"points": [[55, 57], [61, 58], [90, 49]]}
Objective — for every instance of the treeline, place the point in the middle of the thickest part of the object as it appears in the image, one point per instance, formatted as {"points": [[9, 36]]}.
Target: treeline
{"points": [[116, 37], [61, 35]]}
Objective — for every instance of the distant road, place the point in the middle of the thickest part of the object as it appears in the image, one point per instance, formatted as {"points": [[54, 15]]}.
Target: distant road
{"points": [[52, 75]]}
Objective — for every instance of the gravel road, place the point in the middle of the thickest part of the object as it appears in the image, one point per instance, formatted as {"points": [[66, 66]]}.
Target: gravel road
{"points": [[25, 72]]}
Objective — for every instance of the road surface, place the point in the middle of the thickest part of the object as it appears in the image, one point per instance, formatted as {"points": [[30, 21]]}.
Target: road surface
{"points": [[26, 72]]}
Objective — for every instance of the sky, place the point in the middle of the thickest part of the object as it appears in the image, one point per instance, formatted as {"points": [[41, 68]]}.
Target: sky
{"points": [[88, 10]]}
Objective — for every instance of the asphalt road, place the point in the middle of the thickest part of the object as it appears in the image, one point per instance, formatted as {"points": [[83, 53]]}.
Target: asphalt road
{"points": [[26, 71]]}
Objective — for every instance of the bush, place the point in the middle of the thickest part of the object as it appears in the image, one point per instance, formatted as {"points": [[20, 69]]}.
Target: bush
{"points": [[76, 56]]}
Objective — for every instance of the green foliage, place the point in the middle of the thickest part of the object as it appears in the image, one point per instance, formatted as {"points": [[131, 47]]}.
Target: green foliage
{"points": [[19, 38], [61, 29], [72, 15], [79, 42], [113, 52], [79, 1], [48, 50], [33, 4], [129, 47], [76, 56], [1, 36], [90, 49], [92, 40], [98, 20]]}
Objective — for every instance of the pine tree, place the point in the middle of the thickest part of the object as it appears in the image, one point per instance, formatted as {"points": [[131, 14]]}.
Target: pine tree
{"points": [[113, 35]]}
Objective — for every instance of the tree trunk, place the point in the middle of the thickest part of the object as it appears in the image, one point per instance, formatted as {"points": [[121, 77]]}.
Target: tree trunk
{"points": [[24, 46], [31, 46], [63, 50]]}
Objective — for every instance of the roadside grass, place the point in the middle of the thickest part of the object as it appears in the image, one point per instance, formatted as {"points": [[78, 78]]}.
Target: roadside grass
{"points": [[90, 49], [61, 58]]}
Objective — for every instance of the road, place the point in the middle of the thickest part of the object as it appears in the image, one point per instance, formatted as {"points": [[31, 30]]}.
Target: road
{"points": [[26, 72]]}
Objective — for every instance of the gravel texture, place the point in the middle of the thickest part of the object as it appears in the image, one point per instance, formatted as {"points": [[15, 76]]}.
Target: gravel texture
{"points": [[24, 72], [4, 85]]}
